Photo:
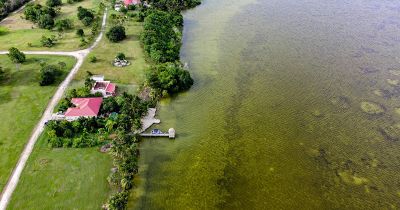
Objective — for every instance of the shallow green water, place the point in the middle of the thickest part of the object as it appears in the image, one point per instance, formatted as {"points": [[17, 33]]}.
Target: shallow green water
{"points": [[274, 120]]}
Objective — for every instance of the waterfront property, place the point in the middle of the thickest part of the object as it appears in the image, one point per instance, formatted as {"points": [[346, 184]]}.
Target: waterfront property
{"points": [[84, 107]]}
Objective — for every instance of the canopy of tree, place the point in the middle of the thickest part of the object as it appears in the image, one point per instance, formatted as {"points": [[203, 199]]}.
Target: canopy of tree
{"points": [[174, 5], [169, 78], [16, 56], [48, 74], [7, 6], [42, 15], [161, 37], [116, 33], [53, 3]]}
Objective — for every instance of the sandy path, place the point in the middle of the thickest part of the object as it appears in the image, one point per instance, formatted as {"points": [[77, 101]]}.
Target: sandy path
{"points": [[80, 56]]}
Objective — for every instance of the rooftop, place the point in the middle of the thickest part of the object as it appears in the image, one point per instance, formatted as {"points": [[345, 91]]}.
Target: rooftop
{"points": [[84, 107]]}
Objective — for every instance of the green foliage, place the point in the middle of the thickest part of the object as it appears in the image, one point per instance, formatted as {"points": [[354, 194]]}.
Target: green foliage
{"points": [[87, 21], [92, 59], [120, 56], [123, 10], [80, 32], [83, 13], [46, 21], [47, 41], [64, 24], [53, 3], [16, 56], [116, 34], [37, 12], [174, 5], [132, 7], [169, 77], [118, 201], [161, 42], [48, 75]]}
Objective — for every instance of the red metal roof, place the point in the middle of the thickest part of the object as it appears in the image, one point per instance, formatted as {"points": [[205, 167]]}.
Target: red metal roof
{"points": [[85, 107], [130, 2], [110, 88]]}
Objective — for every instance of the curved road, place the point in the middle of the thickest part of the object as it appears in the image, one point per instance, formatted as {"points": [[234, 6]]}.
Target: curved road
{"points": [[80, 56]]}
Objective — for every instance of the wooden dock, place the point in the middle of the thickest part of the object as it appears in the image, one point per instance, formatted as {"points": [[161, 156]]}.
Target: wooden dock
{"points": [[170, 134]]}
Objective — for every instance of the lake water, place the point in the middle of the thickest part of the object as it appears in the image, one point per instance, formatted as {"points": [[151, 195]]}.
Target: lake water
{"points": [[295, 106]]}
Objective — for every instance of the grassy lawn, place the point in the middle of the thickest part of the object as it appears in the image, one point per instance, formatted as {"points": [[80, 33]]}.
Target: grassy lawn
{"points": [[105, 52], [22, 102], [63, 179], [76, 178], [21, 31]]}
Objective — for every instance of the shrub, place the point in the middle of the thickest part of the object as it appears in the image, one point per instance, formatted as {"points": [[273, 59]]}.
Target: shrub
{"points": [[64, 24], [87, 21], [53, 3], [116, 34], [3, 74], [46, 21], [123, 10], [47, 41], [16, 56], [83, 12], [120, 56], [92, 59], [131, 7], [48, 75], [70, 1], [118, 201], [80, 32]]}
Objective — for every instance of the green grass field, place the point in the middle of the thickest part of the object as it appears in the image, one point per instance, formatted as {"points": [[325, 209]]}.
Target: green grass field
{"points": [[21, 31], [64, 178], [106, 51], [22, 102], [68, 178]]}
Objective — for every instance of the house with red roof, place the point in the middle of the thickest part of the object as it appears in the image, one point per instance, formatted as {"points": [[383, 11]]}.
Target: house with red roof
{"points": [[131, 2], [84, 107], [106, 88]]}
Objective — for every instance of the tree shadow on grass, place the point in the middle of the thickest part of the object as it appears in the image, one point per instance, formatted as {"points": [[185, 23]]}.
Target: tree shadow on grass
{"points": [[133, 37]]}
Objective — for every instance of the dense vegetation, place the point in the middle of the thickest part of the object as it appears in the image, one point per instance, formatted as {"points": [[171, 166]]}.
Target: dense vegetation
{"points": [[7, 6], [42, 15], [174, 5], [49, 74], [161, 38], [168, 78], [16, 56], [86, 16], [116, 33]]}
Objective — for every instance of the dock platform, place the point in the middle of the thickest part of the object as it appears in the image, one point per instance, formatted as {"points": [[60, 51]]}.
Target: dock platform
{"points": [[170, 134]]}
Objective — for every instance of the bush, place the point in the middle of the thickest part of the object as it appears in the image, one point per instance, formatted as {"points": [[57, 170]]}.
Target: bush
{"points": [[116, 34], [118, 201], [123, 10], [16, 56], [120, 56], [64, 24], [47, 41], [93, 59], [46, 21], [48, 75], [83, 12], [3, 74], [131, 7], [53, 3], [87, 21], [80, 32], [34, 12]]}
